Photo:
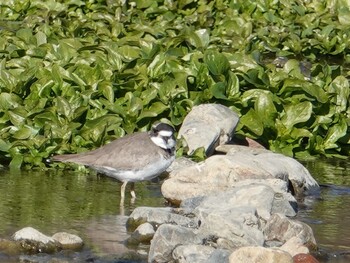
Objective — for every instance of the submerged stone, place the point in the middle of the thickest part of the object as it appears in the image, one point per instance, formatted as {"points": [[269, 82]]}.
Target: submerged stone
{"points": [[68, 241]]}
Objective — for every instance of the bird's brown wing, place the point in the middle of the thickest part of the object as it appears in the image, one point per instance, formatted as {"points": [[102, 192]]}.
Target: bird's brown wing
{"points": [[129, 152]]}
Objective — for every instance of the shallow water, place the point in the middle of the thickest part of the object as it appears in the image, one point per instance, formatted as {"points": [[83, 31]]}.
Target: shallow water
{"points": [[78, 203], [88, 205], [328, 213]]}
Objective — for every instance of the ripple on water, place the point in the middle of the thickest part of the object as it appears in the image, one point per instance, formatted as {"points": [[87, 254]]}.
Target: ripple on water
{"points": [[328, 213], [83, 204]]}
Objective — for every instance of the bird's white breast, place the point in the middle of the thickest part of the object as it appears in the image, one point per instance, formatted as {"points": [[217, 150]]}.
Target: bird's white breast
{"points": [[148, 172]]}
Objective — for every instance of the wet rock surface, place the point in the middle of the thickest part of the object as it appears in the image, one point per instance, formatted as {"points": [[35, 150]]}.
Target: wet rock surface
{"points": [[222, 172], [27, 242], [261, 255]]}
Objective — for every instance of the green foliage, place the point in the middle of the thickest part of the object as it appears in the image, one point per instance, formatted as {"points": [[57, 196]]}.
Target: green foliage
{"points": [[77, 74]]}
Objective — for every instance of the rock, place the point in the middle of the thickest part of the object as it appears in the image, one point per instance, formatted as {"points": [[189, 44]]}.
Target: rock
{"points": [[234, 215], [195, 138], [231, 149], [305, 258], [208, 125], [180, 163], [157, 216], [261, 255], [280, 228], [33, 241], [222, 172], [237, 227], [142, 234], [9, 247], [298, 175], [218, 256], [216, 174], [295, 246], [276, 164], [260, 197], [284, 202], [29, 233], [68, 241], [192, 253], [167, 238]]}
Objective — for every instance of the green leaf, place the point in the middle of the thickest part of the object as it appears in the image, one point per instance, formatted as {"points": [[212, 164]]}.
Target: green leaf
{"points": [[293, 86], [153, 111], [63, 106], [198, 155], [335, 132], [343, 9], [232, 89], [17, 116], [129, 53], [46, 117], [300, 133], [40, 38], [265, 108], [141, 4], [252, 122], [296, 113], [25, 34], [218, 90], [203, 35], [217, 62], [24, 132], [16, 162], [9, 101], [107, 90], [4, 146], [340, 87]]}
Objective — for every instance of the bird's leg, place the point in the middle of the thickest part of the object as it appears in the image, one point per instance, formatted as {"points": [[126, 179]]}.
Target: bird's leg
{"points": [[132, 191], [122, 192]]}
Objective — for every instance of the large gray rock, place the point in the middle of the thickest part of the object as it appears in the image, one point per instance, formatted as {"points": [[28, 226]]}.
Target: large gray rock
{"points": [[238, 227], [29, 233], [192, 253], [68, 241], [142, 234], [216, 174], [295, 246], [208, 125], [167, 238], [284, 202], [298, 175], [261, 255], [237, 215], [33, 241], [180, 163], [279, 228], [256, 196], [222, 172], [158, 216], [219, 256]]}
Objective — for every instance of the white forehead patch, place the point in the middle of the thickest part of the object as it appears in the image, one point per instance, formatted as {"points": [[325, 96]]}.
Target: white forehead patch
{"points": [[169, 144], [165, 133]]}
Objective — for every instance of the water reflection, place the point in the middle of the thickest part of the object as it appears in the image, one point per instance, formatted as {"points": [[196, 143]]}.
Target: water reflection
{"points": [[84, 204], [327, 214]]}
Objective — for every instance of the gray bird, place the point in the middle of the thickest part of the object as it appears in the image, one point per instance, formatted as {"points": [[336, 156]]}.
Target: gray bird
{"points": [[136, 157]]}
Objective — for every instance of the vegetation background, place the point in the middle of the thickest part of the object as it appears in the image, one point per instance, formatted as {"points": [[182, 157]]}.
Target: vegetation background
{"points": [[77, 74]]}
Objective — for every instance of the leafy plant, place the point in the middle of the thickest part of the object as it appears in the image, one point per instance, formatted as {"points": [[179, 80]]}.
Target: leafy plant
{"points": [[77, 74]]}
